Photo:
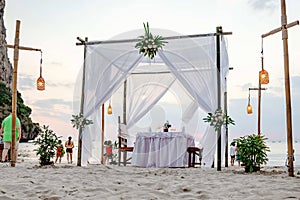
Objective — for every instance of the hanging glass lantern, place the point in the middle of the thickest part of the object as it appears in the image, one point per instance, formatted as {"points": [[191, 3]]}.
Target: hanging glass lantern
{"points": [[40, 83], [263, 77], [249, 107], [109, 109]]}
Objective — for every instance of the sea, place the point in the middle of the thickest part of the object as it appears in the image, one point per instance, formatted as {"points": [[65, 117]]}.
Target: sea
{"points": [[277, 155]]}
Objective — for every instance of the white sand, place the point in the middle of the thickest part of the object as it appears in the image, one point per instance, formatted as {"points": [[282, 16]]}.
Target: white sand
{"points": [[66, 181]]}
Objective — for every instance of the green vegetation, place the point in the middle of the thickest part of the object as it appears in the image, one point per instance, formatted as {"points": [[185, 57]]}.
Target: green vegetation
{"points": [[47, 141], [29, 129], [252, 151]]}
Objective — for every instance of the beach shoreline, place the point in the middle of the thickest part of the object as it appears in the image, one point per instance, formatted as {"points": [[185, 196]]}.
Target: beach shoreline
{"points": [[67, 181]]}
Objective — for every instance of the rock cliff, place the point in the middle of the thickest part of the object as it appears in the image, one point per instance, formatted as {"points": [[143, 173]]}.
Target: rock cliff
{"points": [[29, 129]]}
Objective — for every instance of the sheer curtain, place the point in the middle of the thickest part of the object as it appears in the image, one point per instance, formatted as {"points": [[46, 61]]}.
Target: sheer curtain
{"points": [[198, 77], [145, 90], [190, 61]]}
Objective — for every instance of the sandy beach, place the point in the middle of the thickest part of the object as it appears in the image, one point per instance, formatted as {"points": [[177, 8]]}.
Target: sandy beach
{"points": [[65, 181]]}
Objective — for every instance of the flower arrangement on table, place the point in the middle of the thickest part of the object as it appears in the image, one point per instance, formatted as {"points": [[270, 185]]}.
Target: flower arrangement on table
{"points": [[149, 44], [218, 119], [79, 121], [166, 126]]}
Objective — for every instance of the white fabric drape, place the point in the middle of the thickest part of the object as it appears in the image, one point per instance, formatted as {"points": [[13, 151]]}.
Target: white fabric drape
{"points": [[144, 92], [189, 61]]}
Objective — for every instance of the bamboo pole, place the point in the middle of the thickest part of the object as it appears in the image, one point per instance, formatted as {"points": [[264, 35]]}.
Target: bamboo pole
{"points": [[23, 48], [16, 48], [287, 90], [284, 31], [81, 102], [219, 138], [165, 38], [226, 128], [102, 135], [14, 95], [124, 102], [259, 89]]}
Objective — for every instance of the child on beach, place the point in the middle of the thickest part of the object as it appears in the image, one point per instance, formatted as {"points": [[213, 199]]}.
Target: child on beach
{"points": [[107, 151], [59, 151], [232, 153]]}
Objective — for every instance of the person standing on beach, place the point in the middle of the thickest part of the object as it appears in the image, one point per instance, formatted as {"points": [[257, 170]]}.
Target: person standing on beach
{"points": [[69, 149], [237, 157], [59, 151], [6, 132], [232, 153]]}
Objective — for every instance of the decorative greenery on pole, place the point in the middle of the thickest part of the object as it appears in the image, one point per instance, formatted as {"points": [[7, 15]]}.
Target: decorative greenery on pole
{"points": [[79, 121], [218, 119], [149, 44]]}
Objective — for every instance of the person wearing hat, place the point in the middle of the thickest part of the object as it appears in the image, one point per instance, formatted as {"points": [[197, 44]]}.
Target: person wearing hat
{"points": [[69, 149]]}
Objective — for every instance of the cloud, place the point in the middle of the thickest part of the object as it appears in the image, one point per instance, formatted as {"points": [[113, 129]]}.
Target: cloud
{"points": [[56, 63], [263, 4], [246, 86], [26, 82], [273, 115], [59, 84], [295, 83], [46, 102]]}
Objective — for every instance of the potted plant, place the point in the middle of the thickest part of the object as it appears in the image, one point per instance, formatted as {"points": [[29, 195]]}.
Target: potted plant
{"points": [[252, 151], [47, 141], [167, 125]]}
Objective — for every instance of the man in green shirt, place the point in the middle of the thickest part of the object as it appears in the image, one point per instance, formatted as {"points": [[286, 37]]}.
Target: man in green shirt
{"points": [[6, 131]]}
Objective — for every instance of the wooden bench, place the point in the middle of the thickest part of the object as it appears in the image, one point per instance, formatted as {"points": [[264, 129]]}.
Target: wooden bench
{"points": [[193, 152]]}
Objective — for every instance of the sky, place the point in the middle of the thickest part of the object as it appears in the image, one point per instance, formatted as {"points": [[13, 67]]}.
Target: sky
{"points": [[54, 25]]}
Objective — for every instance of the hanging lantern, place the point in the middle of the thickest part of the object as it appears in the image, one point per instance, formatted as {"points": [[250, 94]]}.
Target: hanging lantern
{"points": [[249, 109], [109, 109], [263, 77], [40, 83]]}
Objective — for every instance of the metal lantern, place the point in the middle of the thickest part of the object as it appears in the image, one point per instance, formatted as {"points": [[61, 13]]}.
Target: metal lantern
{"points": [[263, 77], [40, 83]]}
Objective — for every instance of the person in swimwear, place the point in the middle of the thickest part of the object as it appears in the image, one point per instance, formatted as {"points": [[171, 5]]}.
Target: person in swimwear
{"points": [[59, 151], [69, 149]]}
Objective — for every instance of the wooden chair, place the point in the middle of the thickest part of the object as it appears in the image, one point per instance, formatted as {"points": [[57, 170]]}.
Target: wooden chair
{"points": [[193, 152], [122, 145]]}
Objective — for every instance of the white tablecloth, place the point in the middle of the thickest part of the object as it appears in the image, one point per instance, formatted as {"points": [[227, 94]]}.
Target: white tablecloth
{"points": [[161, 149]]}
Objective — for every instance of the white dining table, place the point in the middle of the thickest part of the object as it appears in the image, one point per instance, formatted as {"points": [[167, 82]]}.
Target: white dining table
{"points": [[161, 149]]}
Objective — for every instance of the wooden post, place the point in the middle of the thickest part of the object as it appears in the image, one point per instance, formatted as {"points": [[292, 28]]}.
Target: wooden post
{"points": [[82, 101], [259, 89], [287, 90], [14, 95], [259, 106], [124, 102], [219, 138], [16, 48], [284, 31], [102, 136], [226, 133]]}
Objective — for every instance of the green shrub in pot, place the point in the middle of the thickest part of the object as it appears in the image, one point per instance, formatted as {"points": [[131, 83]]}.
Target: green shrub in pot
{"points": [[252, 151]]}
